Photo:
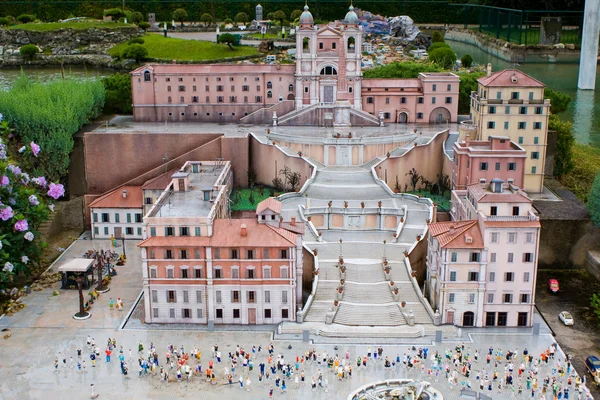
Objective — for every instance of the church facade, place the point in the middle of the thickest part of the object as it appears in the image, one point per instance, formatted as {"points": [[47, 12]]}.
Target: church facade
{"points": [[327, 75]]}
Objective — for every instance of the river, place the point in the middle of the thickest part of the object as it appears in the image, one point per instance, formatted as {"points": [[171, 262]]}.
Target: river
{"points": [[584, 109]]}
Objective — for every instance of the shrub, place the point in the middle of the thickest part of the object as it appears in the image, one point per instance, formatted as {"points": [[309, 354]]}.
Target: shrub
{"points": [[169, 25], [437, 45], [135, 52], [466, 61], [115, 13], [563, 152], [180, 15], [437, 37], [280, 15], [137, 17], [29, 51], [241, 17], [227, 38], [206, 18], [26, 18], [444, 57], [593, 204], [137, 40], [228, 21], [117, 89], [4, 21], [144, 25], [558, 101], [295, 15], [468, 84], [400, 70]]}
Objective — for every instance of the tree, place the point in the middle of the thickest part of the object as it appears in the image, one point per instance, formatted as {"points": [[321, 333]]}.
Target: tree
{"points": [[414, 177], [117, 89], [285, 171], [136, 52], [227, 38], [437, 37], [294, 179], [26, 18], [228, 21], [180, 15], [241, 17], [468, 84], [4, 21], [206, 18], [295, 15], [593, 203], [466, 61], [444, 57], [437, 45], [270, 16], [251, 177], [114, 13], [80, 278], [29, 51], [144, 25], [563, 153], [595, 305], [280, 15], [137, 17], [277, 184], [444, 183], [558, 101]]}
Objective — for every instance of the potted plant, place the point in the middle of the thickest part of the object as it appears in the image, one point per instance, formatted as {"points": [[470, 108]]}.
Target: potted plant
{"points": [[362, 204], [415, 144], [329, 204], [336, 303], [428, 220], [379, 204], [316, 272], [403, 304], [342, 281], [396, 290], [387, 155], [413, 273], [315, 252], [401, 219], [405, 253], [388, 274], [308, 218], [392, 284], [341, 260], [385, 262], [394, 235], [320, 233], [345, 204], [342, 272], [300, 154], [418, 237]]}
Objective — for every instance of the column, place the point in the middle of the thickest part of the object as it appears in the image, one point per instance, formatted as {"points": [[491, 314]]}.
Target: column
{"points": [[589, 46], [210, 303], [299, 93], [326, 155], [314, 93], [357, 93]]}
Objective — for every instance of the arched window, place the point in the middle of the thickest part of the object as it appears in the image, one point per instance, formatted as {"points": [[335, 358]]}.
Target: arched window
{"points": [[169, 100], [181, 99], [269, 85], [291, 88], [351, 44], [146, 76], [329, 71], [269, 94], [306, 45]]}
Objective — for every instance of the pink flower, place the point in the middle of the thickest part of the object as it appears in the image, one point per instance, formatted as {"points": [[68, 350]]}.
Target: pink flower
{"points": [[33, 200], [41, 181], [6, 213], [56, 190], [29, 236], [21, 225], [4, 181], [34, 148]]}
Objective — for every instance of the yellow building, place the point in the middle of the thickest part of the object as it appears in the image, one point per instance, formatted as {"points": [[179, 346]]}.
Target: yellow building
{"points": [[511, 103]]}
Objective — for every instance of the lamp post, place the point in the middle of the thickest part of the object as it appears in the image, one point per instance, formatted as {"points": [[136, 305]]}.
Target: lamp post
{"points": [[384, 254], [340, 247]]}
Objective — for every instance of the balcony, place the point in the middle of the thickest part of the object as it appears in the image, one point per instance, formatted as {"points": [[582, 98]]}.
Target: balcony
{"points": [[512, 218]]}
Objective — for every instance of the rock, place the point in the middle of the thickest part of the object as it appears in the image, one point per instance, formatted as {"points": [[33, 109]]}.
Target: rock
{"points": [[403, 27], [570, 46], [559, 46]]}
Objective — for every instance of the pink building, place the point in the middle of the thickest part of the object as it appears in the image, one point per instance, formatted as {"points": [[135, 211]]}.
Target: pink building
{"points": [[482, 266], [482, 161], [327, 75]]}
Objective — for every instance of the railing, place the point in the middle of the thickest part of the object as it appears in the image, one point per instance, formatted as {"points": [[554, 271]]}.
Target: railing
{"points": [[313, 291], [512, 218], [417, 288]]}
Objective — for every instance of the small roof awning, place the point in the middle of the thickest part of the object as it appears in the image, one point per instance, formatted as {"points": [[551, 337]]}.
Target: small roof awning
{"points": [[77, 265]]}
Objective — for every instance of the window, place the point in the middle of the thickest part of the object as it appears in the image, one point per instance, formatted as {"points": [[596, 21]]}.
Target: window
{"points": [[474, 257], [494, 235], [151, 254], [219, 313], [171, 313], [105, 217], [283, 272], [505, 124], [520, 139], [235, 273], [492, 257], [267, 313], [524, 298], [471, 298], [267, 296], [509, 277], [434, 87], [515, 210], [453, 257], [168, 88], [106, 230], [420, 115], [258, 99], [492, 276], [507, 298], [451, 297], [251, 296], [525, 276], [195, 100], [236, 313], [196, 254], [219, 88], [535, 155], [233, 88], [284, 313], [433, 100], [169, 254], [198, 313], [117, 217], [498, 95], [492, 110], [128, 218], [527, 257], [198, 273], [491, 125], [250, 254], [369, 100], [512, 237], [387, 115], [483, 166], [235, 296], [184, 275], [449, 87], [217, 273], [269, 85], [194, 89], [96, 230], [490, 318], [512, 166], [234, 254], [233, 99], [523, 110], [171, 296], [147, 76], [250, 273], [282, 254], [490, 298], [448, 100], [529, 237], [473, 276], [169, 231], [269, 95], [522, 125], [182, 88], [514, 95], [452, 276], [387, 100], [155, 294], [184, 231], [155, 312], [290, 88], [538, 110], [402, 100], [220, 99], [511, 257], [421, 100], [170, 273], [246, 100], [186, 296], [218, 297]]}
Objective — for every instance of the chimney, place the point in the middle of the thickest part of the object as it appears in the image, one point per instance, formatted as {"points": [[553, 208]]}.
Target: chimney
{"points": [[293, 223], [124, 194], [451, 229], [489, 69], [244, 231]]}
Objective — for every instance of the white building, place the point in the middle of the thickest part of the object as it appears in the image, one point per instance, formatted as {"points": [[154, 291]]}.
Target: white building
{"points": [[118, 213]]}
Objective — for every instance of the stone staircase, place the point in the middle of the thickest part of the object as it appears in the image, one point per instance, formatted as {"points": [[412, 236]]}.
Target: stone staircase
{"points": [[382, 315]]}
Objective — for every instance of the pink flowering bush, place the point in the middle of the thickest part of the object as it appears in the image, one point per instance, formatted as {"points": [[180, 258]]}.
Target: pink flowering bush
{"points": [[25, 202]]}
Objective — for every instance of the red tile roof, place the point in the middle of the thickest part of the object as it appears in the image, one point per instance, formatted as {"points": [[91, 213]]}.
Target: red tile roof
{"points": [[269, 204], [114, 198], [504, 79], [458, 239]]}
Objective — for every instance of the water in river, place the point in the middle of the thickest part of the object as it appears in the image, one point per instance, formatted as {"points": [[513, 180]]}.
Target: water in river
{"points": [[584, 109]]}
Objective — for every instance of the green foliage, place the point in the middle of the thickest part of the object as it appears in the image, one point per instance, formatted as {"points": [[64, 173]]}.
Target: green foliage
{"points": [[241, 17], [29, 51], [26, 18], [437, 37], [295, 15], [437, 45], [466, 61], [586, 164], [226, 38], [400, 70], [135, 52], [84, 24], [137, 17], [444, 57], [144, 25], [137, 40], [206, 18], [558, 101], [228, 21], [49, 114], [247, 199], [468, 84], [595, 305], [4, 21], [117, 89], [563, 155], [114, 13], [180, 15], [593, 205], [280, 15]]}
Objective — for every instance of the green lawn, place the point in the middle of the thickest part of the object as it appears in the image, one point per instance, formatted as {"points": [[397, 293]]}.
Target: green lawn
{"points": [[187, 50], [85, 24], [586, 160], [240, 199], [443, 202], [258, 35]]}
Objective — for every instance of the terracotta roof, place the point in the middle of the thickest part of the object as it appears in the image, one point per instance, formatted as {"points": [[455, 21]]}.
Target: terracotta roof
{"points": [[114, 198], [269, 204], [457, 240], [298, 228], [512, 224], [504, 79], [482, 195], [160, 182], [227, 233]]}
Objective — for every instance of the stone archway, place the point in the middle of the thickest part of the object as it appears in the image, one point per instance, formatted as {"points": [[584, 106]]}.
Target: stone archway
{"points": [[468, 318], [439, 115], [402, 117]]}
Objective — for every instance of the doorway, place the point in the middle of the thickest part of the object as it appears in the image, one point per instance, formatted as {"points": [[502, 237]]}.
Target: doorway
{"points": [[468, 318], [450, 317], [252, 316], [522, 319], [118, 232], [328, 94], [403, 118]]}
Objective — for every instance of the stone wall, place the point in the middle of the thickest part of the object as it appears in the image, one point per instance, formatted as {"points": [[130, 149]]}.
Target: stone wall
{"points": [[512, 52]]}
